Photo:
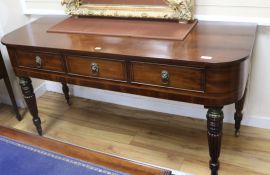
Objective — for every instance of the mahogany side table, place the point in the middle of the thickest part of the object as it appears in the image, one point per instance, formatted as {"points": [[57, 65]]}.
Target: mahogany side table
{"points": [[209, 67]]}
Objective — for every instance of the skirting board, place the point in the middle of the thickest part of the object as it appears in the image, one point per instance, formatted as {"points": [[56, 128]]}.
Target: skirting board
{"points": [[154, 104], [40, 90], [142, 102], [6, 100]]}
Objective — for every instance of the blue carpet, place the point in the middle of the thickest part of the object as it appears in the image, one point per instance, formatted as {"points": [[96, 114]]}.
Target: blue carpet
{"points": [[20, 159]]}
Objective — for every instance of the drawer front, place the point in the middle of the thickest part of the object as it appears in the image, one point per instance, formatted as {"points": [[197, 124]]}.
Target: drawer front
{"points": [[186, 78], [96, 67], [40, 60]]}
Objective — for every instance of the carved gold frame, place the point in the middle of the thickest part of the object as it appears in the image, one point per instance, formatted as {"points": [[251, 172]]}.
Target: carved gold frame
{"points": [[181, 10]]}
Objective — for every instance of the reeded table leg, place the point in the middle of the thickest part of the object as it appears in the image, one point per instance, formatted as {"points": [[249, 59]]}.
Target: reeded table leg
{"points": [[66, 92], [30, 99], [238, 115], [214, 132]]}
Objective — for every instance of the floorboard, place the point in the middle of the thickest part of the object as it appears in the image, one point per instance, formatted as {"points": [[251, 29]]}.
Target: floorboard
{"points": [[165, 140]]}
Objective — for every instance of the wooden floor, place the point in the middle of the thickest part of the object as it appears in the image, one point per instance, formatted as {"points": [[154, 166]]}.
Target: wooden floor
{"points": [[166, 140]]}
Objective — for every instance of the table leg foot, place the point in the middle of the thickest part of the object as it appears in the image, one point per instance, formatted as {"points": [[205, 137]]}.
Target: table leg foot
{"points": [[19, 117], [238, 115], [214, 168], [214, 132], [37, 123], [66, 93], [30, 99]]}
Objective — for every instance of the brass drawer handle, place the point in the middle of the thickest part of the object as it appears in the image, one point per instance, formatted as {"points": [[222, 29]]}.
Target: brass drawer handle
{"points": [[38, 61], [94, 68], [165, 77]]}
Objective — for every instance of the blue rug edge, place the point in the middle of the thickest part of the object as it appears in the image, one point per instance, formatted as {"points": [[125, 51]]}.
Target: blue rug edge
{"points": [[61, 157]]}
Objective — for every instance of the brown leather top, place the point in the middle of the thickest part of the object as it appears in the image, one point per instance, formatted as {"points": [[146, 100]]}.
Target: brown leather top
{"points": [[223, 41], [171, 30]]}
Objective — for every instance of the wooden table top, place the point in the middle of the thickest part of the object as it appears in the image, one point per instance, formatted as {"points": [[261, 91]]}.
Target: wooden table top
{"points": [[225, 42], [83, 154]]}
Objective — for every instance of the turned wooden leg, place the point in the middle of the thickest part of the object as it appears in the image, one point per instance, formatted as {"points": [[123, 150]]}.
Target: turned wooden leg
{"points": [[238, 115], [66, 92], [214, 132], [30, 99], [11, 95]]}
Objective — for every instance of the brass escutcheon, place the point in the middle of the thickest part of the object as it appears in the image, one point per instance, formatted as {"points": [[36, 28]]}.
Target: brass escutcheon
{"points": [[94, 68], [165, 76], [38, 61]]}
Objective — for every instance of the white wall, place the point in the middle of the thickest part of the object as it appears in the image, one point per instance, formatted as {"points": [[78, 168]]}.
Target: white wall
{"points": [[236, 10], [258, 103], [256, 109], [12, 17]]}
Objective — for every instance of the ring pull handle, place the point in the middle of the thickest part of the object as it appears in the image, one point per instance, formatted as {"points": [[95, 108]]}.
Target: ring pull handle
{"points": [[165, 77], [94, 68], [38, 61]]}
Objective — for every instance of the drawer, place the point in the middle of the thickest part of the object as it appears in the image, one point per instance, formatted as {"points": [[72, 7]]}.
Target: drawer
{"points": [[40, 60], [186, 78], [96, 67]]}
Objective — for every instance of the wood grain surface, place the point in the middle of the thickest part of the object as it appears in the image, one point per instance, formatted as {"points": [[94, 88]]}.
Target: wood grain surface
{"points": [[225, 42]]}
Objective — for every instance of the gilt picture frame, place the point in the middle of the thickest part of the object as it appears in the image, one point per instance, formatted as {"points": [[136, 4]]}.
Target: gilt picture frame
{"points": [[181, 10]]}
